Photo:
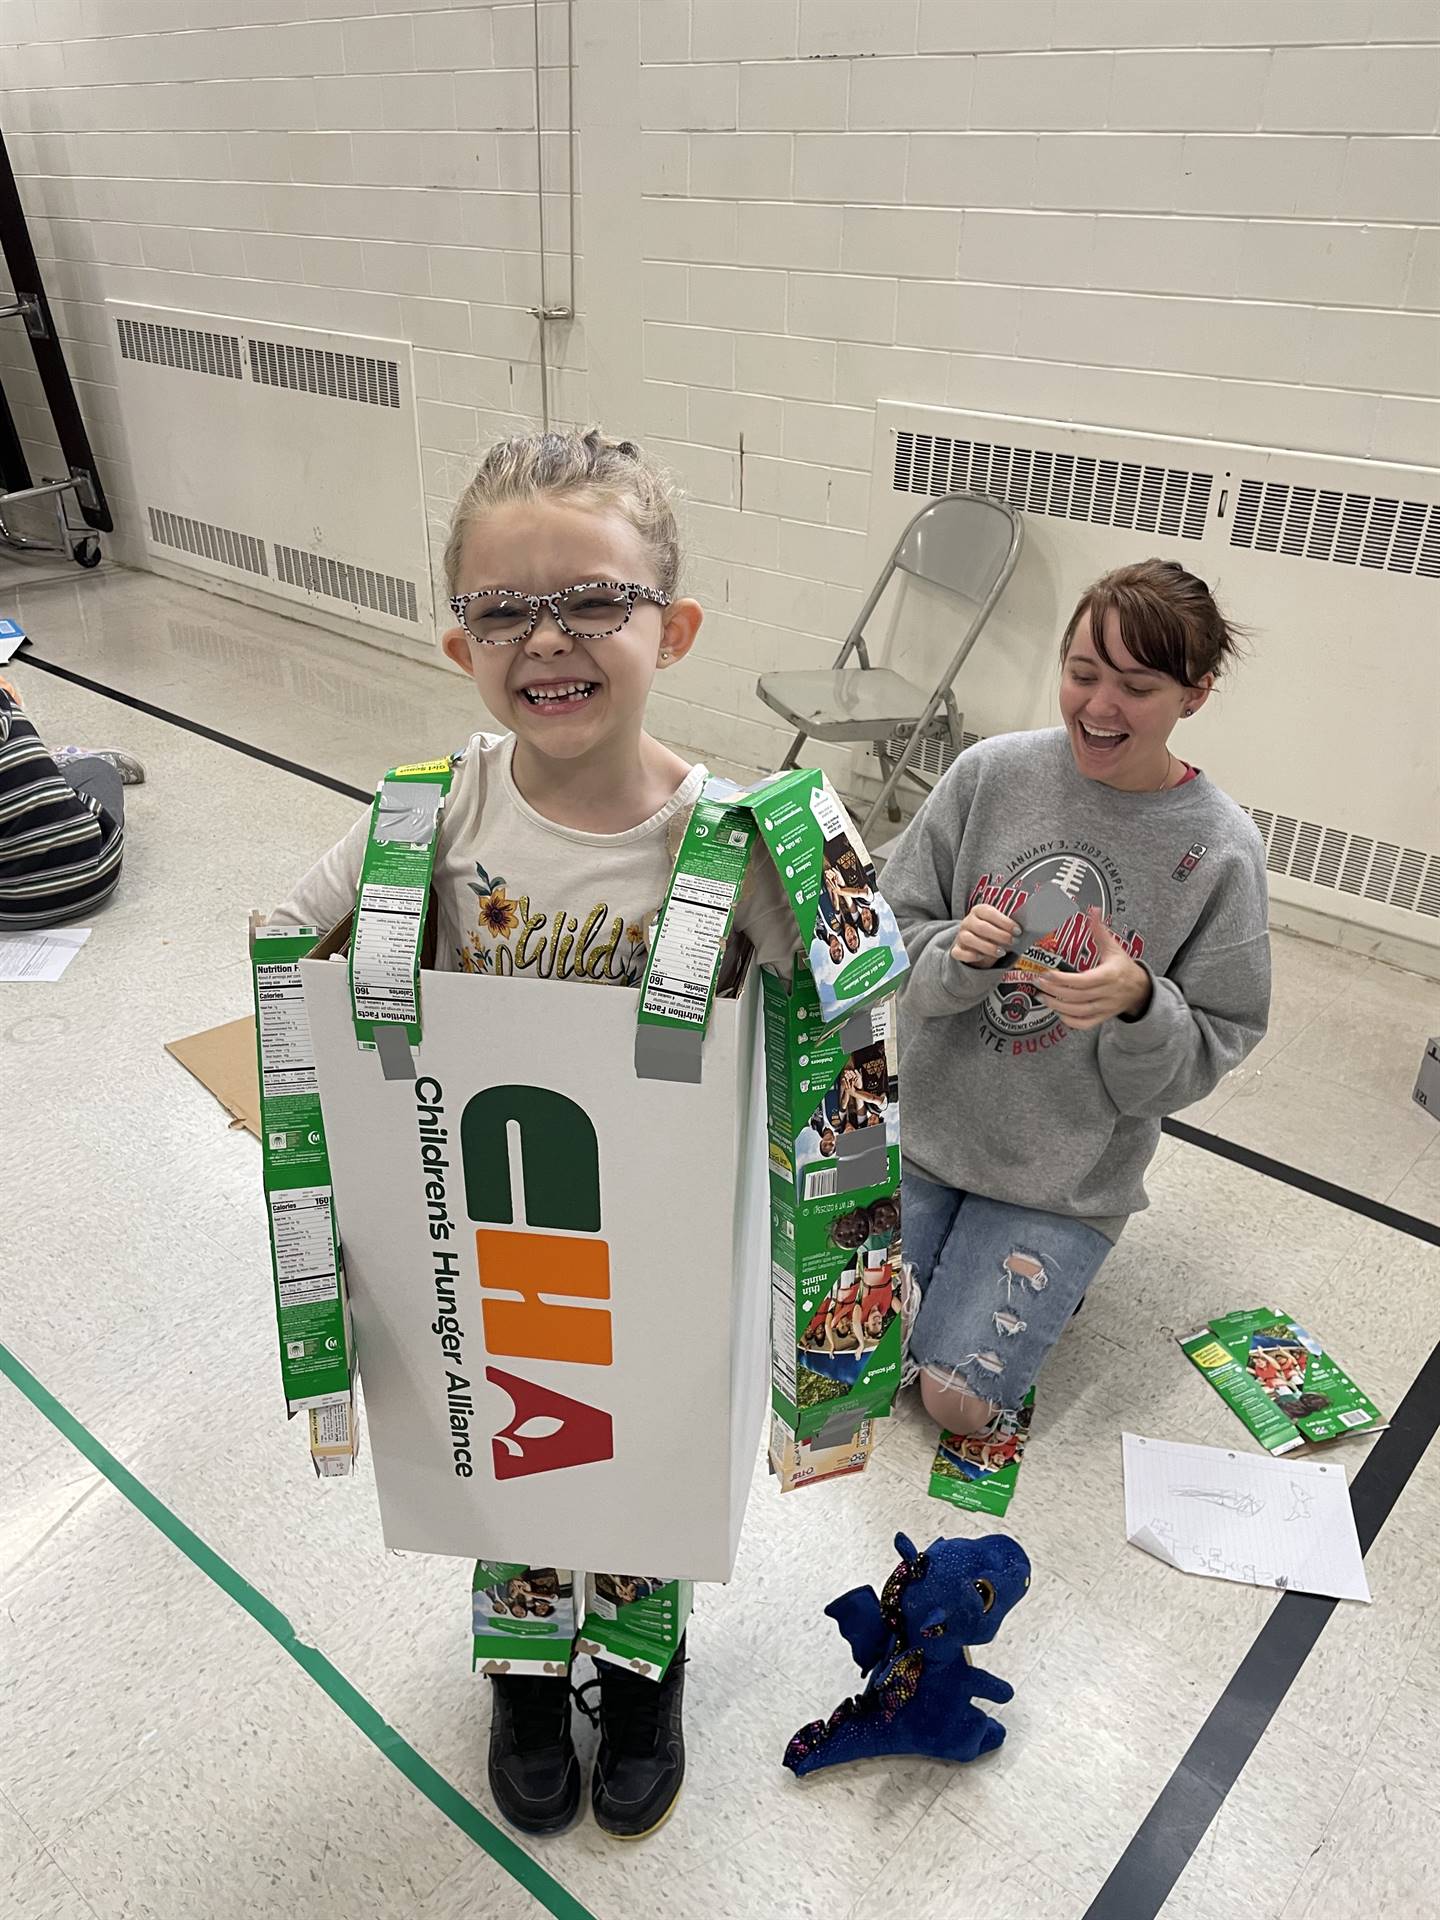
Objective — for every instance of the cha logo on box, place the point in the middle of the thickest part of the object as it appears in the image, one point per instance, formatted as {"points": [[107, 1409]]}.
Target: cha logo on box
{"points": [[529, 1273]]}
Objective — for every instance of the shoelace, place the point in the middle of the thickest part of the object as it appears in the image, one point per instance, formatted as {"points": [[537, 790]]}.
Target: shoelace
{"points": [[633, 1726]]}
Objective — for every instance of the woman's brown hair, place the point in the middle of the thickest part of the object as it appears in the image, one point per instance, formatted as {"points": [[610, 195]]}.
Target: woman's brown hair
{"points": [[1168, 620]]}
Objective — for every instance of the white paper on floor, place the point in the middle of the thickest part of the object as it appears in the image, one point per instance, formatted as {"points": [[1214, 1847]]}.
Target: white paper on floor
{"points": [[1243, 1516], [37, 955]]}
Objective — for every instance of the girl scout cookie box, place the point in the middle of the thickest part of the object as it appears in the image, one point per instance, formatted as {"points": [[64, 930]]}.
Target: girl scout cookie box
{"points": [[310, 1304], [834, 1124], [554, 1221]]}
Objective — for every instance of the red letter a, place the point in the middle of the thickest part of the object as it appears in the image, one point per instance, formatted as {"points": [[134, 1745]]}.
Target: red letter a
{"points": [[584, 1432]]}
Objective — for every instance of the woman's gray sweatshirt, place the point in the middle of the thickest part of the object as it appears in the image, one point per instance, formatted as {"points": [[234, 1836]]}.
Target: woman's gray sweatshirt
{"points": [[999, 1098]]}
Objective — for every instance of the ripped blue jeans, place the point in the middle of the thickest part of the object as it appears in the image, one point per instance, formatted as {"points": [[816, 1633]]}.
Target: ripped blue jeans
{"points": [[998, 1285]]}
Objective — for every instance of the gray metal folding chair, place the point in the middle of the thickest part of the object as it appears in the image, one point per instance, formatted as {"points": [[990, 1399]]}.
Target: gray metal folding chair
{"points": [[967, 543]]}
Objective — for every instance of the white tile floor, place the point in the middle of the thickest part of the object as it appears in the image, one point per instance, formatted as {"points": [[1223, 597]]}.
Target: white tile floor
{"points": [[160, 1755]]}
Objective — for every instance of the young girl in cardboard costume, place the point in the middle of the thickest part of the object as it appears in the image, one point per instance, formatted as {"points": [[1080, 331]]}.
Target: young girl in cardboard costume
{"points": [[1085, 915], [563, 564]]}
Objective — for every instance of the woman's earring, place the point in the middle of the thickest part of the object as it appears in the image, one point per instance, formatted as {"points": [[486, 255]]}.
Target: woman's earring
{"points": [[665, 653]]}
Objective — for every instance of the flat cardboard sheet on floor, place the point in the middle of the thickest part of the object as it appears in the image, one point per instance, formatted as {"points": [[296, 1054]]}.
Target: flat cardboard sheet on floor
{"points": [[1229, 1515], [222, 1059]]}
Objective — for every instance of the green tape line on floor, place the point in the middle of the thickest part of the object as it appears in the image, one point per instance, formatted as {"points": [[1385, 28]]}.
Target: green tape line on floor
{"points": [[353, 1704]]}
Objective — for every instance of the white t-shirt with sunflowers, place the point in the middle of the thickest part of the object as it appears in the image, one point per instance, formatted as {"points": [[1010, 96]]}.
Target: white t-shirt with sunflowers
{"points": [[517, 894]]}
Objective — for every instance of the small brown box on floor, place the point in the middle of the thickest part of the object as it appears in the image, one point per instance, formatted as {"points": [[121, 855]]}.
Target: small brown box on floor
{"points": [[1427, 1081]]}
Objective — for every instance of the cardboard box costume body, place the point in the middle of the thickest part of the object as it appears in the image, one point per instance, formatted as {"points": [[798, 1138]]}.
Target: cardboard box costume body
{"points": [[554, 1207]]}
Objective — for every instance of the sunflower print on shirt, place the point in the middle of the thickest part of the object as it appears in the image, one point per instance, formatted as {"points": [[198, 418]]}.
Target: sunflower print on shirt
{"points": [[512, 935]]}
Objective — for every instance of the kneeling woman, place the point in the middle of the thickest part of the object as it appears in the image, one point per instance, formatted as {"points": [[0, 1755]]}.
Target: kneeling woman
{"points": [[1085, 915]]}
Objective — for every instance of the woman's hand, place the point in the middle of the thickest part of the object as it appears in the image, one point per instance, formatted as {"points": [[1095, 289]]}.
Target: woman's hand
{"points": [[984, 936], [1115, 985]]}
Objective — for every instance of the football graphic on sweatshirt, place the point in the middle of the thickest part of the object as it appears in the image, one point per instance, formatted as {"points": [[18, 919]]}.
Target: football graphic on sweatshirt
{"points": [[1051, 892]]}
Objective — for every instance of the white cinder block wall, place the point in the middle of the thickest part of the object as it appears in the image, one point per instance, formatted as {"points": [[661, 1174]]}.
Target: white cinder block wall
{"points": [[1201, 217]]}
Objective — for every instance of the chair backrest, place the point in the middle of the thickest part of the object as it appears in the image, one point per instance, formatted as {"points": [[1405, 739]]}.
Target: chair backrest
{"points": [[963, 542]]}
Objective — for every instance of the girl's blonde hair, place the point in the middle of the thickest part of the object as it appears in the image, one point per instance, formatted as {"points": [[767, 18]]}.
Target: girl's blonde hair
{"points": [[586, 469]]}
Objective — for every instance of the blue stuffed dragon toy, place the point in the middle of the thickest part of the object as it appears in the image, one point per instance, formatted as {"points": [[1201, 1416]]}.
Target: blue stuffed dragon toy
{"points": [[912, 1643]]}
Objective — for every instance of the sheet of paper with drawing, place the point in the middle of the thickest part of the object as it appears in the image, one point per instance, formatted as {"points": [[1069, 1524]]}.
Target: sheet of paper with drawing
{"points": [[1244, 1517]]}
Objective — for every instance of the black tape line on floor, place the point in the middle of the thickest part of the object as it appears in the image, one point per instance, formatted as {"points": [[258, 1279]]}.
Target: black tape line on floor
{"points": [[1296, 1177], [31, 659], [1141, 1879]]}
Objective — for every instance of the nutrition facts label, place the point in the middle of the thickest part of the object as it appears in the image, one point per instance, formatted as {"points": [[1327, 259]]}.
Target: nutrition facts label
{"points": [[692, 931], [330, 1426], [287, 1056], [387, 939], [302, 1227], [782, 1329]]}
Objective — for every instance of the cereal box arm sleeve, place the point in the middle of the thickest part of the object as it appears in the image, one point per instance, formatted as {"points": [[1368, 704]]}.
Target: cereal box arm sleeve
{"points": [[1206, 1014], [327, 892], [919, 882]]}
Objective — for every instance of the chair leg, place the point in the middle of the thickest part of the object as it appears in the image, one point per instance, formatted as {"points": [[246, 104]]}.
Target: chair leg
{"points": [[894, 775], [885, 767], [792, 755]]}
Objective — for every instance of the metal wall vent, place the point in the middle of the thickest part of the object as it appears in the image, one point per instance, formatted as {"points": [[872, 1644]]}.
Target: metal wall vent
{"points": [[355, 586], [936, 756], [339, 376], [189, 348], [233, 549], [1347, 529], [1064, 486], [1353, 863]]}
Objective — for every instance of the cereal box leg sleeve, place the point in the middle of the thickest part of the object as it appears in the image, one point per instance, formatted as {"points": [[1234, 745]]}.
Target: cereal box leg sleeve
{"points": [[327, 892], [920, 886]]}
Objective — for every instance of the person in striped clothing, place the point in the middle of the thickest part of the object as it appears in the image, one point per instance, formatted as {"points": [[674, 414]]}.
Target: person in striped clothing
{"points": [[62, 822]]}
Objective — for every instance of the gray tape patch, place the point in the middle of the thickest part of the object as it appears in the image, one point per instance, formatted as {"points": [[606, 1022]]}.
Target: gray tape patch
{"points": [[669, 1053], [393, 1046], [858, 1031], [861, 1160]]}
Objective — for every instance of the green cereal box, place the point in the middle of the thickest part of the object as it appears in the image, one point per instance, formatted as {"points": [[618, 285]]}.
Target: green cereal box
{"points": [[843, 924], [690, 935], [834, 1152], [847, 931], [1277, 1377], [310, 1304], [394, 893], [635, 1620], [522, 1618], [978, 1472]]}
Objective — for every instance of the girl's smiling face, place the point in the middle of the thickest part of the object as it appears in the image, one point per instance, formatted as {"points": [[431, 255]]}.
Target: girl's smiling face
{"points": [[1118, 714], [564, 698]]}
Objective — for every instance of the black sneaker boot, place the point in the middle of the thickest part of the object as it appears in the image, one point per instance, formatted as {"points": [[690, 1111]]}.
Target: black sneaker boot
{"points": [[641, 1761], [534, 1772]]}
